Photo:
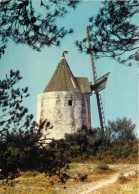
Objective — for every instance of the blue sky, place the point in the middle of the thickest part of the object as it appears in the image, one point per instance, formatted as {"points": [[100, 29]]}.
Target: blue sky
{"points": [[121, 96]]}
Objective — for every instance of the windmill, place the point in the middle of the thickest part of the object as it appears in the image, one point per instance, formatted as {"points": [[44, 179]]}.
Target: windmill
{"points": [[65, 101], [99, 84]]}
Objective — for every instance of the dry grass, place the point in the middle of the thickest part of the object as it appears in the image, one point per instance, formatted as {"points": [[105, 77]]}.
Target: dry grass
{"points": [[122, 178], [29, 174], [33, 182], [130, 186], [103, 169]]}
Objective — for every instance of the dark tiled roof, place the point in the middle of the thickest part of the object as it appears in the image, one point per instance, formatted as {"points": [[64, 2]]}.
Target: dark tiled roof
{"points": [[83, 84], [62, 79]]}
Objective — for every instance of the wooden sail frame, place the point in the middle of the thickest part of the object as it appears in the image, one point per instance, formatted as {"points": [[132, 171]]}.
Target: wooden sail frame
{"points": [[99, 84]]}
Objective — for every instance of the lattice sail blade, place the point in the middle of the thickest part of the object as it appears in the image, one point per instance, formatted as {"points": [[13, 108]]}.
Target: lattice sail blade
{"points": [[100, 83]]}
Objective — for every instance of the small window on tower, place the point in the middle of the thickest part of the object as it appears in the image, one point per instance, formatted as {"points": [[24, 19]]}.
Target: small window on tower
{"points": [[70, 102]]}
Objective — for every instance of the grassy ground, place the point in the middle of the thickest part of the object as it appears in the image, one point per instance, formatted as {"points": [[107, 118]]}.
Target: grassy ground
{"points": [[81, 176], [129, 186]]}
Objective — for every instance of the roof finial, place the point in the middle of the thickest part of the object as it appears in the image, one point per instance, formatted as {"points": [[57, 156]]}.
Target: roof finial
{"points": [[64, 52]]}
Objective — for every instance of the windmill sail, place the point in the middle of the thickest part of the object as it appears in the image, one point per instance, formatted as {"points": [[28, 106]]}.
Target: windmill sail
{"points": [[100, 83]]}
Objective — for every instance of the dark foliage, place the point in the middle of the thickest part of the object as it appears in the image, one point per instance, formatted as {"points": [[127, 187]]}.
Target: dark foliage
{"points": [[21, 148], [20, 151], [113, 32], [117, 144], [121, 130], [13, 116], [23, 23], [16, 125]]}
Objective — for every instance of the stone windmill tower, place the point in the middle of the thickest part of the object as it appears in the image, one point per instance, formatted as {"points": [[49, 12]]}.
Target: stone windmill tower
{"points": [[64, 103]]}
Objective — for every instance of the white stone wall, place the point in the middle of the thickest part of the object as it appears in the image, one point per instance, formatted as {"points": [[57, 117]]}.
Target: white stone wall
{"points": [[54, 107]]}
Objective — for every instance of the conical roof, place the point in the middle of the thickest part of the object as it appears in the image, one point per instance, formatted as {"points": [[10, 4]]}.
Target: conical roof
{"points": [[62, 79]]}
